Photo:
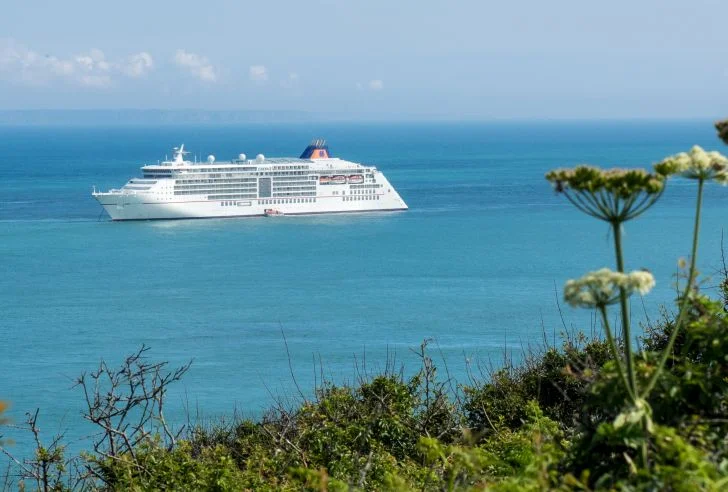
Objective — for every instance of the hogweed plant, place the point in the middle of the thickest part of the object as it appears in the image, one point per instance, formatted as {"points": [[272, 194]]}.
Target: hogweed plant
{"points": [[614, 196], [617, 196], [704, 167]]}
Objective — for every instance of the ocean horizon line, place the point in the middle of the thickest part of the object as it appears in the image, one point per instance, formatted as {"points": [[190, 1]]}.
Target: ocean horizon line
{"points": [[134, 116]]}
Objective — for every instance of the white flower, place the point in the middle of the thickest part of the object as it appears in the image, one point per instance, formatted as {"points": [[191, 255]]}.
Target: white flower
{"points": [[698, 164], [641, 281], [602, 287]]}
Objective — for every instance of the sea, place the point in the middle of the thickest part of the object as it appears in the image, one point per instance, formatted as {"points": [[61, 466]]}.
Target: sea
{"points": [[264, 307]]}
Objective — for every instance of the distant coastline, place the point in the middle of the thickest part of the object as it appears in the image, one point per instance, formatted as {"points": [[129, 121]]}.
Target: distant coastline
{"points": [[80, 117], [151, 116]]}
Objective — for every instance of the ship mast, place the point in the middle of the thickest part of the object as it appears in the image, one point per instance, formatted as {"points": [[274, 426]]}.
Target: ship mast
{"points": [[179, 153]]}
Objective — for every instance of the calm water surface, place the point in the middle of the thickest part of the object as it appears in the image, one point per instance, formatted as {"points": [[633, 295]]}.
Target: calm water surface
{"points": [[473, 264]]}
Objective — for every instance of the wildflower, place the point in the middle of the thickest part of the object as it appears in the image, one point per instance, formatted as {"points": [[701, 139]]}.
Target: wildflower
{"points": [[613, 195], [602, 287], [641, 281], [696, 164]]}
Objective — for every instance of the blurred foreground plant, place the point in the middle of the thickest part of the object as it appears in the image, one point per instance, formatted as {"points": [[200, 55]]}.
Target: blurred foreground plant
{"points": [[617, 196]]}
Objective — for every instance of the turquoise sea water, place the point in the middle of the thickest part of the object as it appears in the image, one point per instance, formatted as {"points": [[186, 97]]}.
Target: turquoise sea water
{"points": [[474, 264]]}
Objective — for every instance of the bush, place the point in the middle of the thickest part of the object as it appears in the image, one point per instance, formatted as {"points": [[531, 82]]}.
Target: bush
{"points": [[556, 379]]}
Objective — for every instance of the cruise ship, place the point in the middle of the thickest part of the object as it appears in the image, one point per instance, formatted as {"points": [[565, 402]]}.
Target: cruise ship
{"points": [[314, 183]]}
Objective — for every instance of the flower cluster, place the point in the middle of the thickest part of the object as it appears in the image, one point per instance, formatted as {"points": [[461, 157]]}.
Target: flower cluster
{"points": [[612, 195], [602, 287], [696, 164], [622, 183]]}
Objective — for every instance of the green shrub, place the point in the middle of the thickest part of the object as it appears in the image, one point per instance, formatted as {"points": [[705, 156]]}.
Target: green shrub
{"points": [[557, 380], [154, 467]]}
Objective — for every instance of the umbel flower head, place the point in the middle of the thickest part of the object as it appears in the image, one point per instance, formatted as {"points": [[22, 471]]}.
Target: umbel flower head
{"points": [[602, 287], [614, 195], [696, 164]]}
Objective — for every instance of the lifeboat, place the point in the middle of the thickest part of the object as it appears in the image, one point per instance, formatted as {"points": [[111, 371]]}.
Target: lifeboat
{"points": [[338, 179], [324, 180], [356, 179]]}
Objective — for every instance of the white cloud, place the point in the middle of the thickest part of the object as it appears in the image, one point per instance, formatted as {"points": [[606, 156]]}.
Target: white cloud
{"points": [[376, 85], [258, 73], [291, 81], [197, 65], [21, 64], [137, 65]]}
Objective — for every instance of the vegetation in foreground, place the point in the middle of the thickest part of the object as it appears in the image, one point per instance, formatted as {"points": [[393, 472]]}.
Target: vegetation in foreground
{"points": [[593, 414]]}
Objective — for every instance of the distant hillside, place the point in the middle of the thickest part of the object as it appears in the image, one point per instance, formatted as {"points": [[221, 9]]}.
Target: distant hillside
{"points": [[153, 116]]}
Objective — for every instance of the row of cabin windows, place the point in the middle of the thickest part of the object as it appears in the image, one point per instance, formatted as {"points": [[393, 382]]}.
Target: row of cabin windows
{"points": [[291, 175], [252, 193], [233, 204], [236, 169], [294, 188], [205, 189], [215, 185], [294, 193], [217, 169], [284, 173], [366, 186], [294, 179], [234, 173], [229, 197], [357, 198], [287, 200], [205, 181]]}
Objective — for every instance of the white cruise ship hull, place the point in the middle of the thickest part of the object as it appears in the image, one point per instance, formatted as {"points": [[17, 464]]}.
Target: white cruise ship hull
{"points": [[141, 207], [311, 184]]}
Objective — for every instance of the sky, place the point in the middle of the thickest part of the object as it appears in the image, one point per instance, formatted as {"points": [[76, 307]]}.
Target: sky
{"points": [[457, 59]]}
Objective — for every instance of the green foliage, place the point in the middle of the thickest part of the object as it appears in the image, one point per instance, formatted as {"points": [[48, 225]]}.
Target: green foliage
{"points": [[693, 392], [557, 380], [675, 465], [508, 460], [557, 422], [722, 127], [154, 467], [687, 405]]}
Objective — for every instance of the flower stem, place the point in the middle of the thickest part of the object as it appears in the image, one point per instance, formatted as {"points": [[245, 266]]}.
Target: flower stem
{"points": [[615, 353], [627, 333], [685, 297]]}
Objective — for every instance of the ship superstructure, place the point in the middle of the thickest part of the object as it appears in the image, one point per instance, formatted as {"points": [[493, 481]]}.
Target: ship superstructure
{"points": [[313, 183]]}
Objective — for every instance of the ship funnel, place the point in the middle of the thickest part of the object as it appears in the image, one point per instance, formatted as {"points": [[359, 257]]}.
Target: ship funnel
{"points": [[317, 149]]}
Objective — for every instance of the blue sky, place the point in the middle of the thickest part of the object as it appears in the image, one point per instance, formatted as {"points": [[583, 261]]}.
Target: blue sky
{"points": [[390, 59]]}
